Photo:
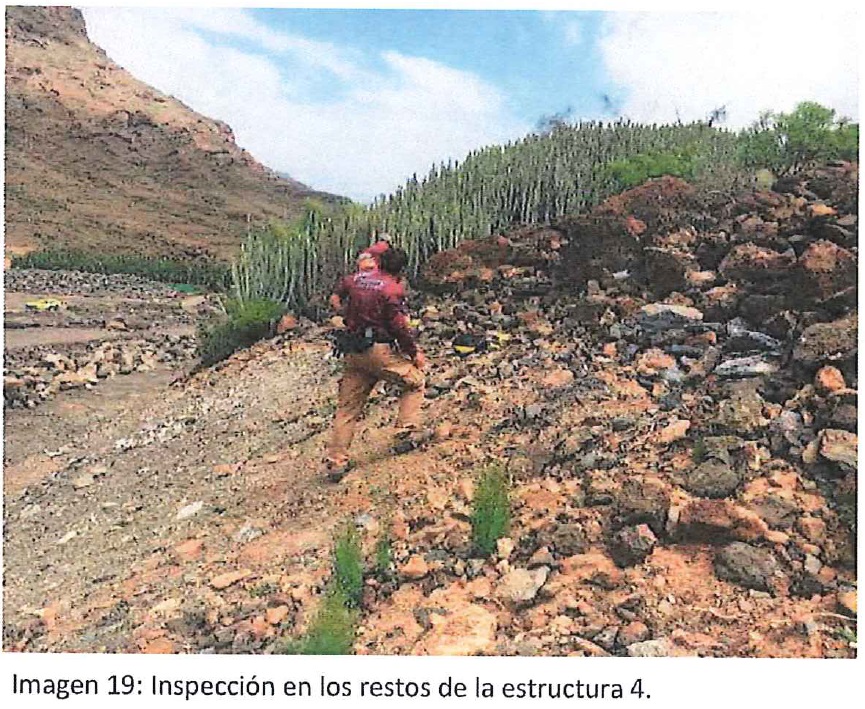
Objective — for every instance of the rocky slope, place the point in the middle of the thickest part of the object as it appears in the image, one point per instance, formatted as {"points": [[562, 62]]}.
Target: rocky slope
{"points": [[683, 466], [97, 160]]}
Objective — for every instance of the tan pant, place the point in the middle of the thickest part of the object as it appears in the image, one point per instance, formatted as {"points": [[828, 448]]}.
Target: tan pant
{"points": [[360, 375]]}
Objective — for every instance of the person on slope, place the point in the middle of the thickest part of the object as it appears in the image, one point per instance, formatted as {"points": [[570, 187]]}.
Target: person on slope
{"points": [[376, 326], [367, 260]]}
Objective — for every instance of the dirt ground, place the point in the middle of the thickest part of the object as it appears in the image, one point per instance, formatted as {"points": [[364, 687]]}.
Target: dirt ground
{"points": [[145, 516]]}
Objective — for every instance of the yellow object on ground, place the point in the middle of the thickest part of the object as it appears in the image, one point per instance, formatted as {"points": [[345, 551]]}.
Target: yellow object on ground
{"points": [[43, 304]]}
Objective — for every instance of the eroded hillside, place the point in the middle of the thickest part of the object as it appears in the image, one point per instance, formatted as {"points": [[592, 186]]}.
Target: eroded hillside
{"points": [[97, 160]]}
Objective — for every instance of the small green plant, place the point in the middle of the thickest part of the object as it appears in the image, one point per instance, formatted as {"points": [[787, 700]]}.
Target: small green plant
{"points": [[699, 452], [246, 324], [348, 565], [383, 555], [491, 513], [846, 635], [331, 631]]}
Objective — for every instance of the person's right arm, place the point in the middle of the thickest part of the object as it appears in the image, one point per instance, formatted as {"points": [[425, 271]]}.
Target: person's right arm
{"points": [[397, 320]]}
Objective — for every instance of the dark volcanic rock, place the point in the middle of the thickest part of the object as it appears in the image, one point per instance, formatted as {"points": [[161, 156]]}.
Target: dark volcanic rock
{"points": [[667, 269], [746, 565], [569, 539], [632, 545], [823, 270], [712, 479], [643, 502], [755, 264], [828, 343]]}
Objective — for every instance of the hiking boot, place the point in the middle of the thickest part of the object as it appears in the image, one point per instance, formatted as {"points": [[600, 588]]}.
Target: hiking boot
{"points": [[410, 438], [336, 470]]}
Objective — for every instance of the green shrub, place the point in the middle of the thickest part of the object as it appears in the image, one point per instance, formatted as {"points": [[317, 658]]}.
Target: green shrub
{"points": [[348, 565], [635, 170], [785, 142], [491, 513], [331, 631], [246, 324]]}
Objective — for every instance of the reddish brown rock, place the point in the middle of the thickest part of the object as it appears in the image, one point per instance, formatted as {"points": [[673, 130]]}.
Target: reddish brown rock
{"points": [[466, 630], [415, 568], [158, 646], [558, 378], [276, 615], [286, 322], [227, 579], [653, 361], [594, 568], [634, 632], [675, 431], [812, 528], [829, 379], [823, 270], [716, 521], [189, 550], [752, 263]]}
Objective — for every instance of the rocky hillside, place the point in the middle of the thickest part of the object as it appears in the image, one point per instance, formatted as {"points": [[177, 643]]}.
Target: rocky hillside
{"points": [[97, 160], [677, 412]]}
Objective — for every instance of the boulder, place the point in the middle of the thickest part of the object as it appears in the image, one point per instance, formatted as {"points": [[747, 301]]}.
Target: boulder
{"points": [[833, 343], [712, 479], [823, 270], [631, 545], [756, 264], [666, 316], [467, 629], [521, 586], [747, 565], [667, 269], [660, 647], [642, 502], [829, 379], [742, 367], [839, 447]]}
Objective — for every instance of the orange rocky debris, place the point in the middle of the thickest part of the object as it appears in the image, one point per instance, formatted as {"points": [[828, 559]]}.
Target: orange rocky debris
{"points": [[829, 379]]}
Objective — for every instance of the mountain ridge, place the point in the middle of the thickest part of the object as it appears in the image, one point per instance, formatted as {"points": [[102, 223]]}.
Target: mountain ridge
{"points": [[100, 161]]}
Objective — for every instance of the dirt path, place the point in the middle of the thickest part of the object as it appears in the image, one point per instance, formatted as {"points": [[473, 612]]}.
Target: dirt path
{"points": [[225, 470]]}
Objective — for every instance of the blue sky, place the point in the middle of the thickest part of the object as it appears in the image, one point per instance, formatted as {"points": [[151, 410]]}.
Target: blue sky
{"points": [[355, 101], [544, 62]]}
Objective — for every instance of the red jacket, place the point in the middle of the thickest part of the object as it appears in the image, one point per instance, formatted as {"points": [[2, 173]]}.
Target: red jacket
{"points": [[377, 300]]}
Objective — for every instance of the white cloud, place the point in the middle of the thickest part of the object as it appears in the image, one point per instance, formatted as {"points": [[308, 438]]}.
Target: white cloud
{"points": [[378, 127], [673, 65]]}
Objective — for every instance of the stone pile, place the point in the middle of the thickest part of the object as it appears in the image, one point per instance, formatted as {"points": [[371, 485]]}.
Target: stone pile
{"points": [[35, 374], [34, 280], [735, 322]]}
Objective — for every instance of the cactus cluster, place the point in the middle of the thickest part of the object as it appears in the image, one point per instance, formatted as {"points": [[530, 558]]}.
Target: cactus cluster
{"points": [[536, 179]]}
